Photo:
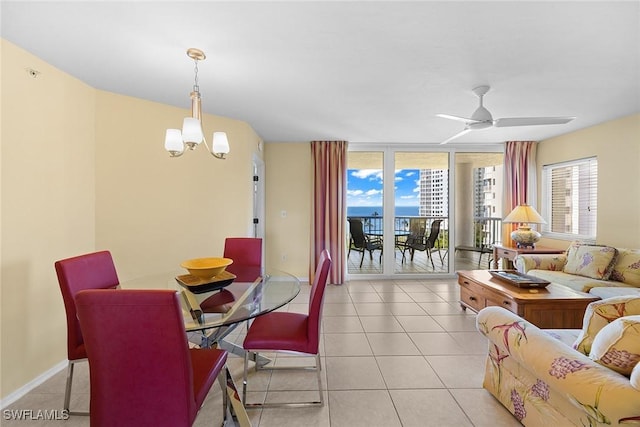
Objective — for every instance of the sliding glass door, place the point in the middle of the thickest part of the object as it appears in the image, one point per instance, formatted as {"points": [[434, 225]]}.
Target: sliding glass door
{"points": [[421, 221], [422, 213], [365, 212]]}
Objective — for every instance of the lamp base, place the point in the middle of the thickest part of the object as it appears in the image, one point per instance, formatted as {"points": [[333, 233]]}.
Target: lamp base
{"points": [[525, 237]]}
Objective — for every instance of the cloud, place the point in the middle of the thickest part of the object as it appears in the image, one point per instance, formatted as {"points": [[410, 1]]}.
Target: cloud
{"points": [[355, 192], [411, 196], [371, 174], [410, 173], [373, 192]]}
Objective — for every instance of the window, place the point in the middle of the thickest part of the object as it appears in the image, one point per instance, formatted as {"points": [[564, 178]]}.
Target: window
{"points": [[570, 197]]}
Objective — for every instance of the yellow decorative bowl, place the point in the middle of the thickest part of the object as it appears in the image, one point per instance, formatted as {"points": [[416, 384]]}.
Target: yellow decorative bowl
{"points": [[206, 268]]}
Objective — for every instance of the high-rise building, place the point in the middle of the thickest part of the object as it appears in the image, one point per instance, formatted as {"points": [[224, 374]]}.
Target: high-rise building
{"points": [[434, 192]]}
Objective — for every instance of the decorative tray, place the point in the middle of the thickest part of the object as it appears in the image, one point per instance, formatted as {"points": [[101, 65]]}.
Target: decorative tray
{"points": [[518, 279], [200, 286]]}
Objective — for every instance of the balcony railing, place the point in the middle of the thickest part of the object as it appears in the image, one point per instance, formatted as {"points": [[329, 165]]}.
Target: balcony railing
{"points": [[487, 231]]}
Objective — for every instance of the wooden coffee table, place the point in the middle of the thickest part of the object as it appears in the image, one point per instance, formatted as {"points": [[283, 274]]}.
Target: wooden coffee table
{"points": [[553, 307]]}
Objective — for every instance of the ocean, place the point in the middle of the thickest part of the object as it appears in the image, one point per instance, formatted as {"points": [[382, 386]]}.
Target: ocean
{"points": [[373, 210]]}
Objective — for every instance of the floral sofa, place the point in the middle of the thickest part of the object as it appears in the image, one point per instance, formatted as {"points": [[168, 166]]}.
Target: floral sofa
{"points": [[545, 378], [604, 271]]}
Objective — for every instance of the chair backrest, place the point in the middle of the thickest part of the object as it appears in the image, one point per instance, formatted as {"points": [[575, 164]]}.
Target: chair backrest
{"points": [[417, 231], [316, 300], [246, 253], [357, 232], [139, 363], [90, 271], [433, 233]]}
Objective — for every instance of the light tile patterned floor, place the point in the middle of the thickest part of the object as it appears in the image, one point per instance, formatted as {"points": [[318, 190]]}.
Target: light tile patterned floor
{"points": [[394, 353]]}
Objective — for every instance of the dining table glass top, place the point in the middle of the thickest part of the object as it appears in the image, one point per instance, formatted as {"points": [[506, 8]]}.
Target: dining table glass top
{"points": [[235, 303]]}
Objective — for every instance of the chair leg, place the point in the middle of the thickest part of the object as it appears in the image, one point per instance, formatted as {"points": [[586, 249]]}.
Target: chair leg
{"points": [[67, 391], [226, 404], [430, 258], [244, 377], [319, 369], [361, 258]]}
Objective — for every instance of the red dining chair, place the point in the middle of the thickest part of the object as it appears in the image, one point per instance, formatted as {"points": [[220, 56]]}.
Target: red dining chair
{"points": [[246, 253], [136, 381], [290, 332], [90, 271]]}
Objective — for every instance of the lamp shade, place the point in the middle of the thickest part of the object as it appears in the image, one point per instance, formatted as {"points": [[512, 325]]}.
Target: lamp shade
{"points": [[220, 143], [524, 214], [173, 141], [192, 131]]}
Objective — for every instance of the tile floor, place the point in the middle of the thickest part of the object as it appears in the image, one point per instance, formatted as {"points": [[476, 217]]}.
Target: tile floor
{"points": [[394, 353]]}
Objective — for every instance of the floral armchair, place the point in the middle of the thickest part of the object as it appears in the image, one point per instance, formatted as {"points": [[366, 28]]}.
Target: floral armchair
{"points": [[542, 380]]}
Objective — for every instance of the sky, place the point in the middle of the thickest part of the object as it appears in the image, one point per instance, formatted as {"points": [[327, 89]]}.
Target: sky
{"points": [[364, 187]]}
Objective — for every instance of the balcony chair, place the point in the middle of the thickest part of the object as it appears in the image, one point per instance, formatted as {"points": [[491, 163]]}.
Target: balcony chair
{"points": [[420, 244], [90, 271], [140, 381], [361, 242], [298, 333]]}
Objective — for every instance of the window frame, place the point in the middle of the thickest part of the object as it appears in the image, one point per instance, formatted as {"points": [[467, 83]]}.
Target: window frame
{"points": [[592, 164]]}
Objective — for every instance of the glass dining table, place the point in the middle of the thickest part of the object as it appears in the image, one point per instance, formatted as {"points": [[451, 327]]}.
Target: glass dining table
{"points": [[215, 312], [212, 312]]}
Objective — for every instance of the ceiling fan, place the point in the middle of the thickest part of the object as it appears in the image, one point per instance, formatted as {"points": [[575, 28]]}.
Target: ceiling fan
{"points": [[482, 119]]}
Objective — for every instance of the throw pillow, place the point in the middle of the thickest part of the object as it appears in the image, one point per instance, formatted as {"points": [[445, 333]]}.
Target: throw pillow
{"points": [[591, 261], [617, 345], [599, 314], [626, 269]]}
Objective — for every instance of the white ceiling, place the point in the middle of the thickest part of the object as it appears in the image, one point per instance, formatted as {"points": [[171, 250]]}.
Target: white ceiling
{"points": [[359, 71]]}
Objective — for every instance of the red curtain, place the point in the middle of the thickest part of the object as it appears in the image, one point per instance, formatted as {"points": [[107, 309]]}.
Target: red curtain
{"points": [[329, 205], [519, 181]]}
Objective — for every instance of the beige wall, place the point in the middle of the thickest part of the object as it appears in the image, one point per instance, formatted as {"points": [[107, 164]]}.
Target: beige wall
{"points": [[84, 170], [616, 144], [154, 211], [48, 207], [288, 181]]}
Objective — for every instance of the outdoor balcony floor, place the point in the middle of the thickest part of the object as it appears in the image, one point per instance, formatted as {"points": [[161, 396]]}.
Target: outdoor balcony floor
{"points": [[419, 265]]}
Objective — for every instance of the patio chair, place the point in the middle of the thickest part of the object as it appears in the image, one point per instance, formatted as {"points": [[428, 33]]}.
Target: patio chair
{"points": [[419, 244], [362, 242]]}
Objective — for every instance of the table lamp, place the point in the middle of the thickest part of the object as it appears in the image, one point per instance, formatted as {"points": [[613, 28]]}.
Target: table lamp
{"points": [[524, 236]]}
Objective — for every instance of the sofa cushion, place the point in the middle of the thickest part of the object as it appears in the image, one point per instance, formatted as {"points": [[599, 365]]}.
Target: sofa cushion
{"points": [[591, 261], [635, 377], [626, 268], [573, 281], [599, 314], [623, 289], [617, 345]]}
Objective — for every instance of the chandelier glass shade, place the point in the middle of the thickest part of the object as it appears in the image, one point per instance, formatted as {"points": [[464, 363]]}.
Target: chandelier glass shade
{"points": [[176, 141]]}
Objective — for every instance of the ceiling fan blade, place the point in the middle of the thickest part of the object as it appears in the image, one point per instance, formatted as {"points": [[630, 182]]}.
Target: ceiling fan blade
{"points": [[531, 121], [457, 135], [457, 118]]}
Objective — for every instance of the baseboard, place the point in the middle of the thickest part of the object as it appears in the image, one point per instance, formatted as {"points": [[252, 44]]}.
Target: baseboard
{"points": [[13, 397]]}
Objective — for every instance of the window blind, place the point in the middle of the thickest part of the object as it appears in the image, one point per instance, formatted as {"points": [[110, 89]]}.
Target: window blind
{"points": [[570, 197]]}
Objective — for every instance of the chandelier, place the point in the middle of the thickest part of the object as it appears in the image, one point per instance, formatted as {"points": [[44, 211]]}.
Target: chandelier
{"points": [[191, 134]]}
